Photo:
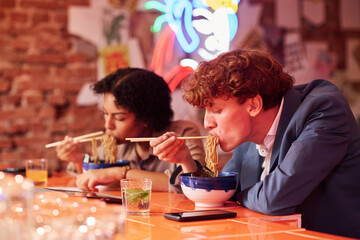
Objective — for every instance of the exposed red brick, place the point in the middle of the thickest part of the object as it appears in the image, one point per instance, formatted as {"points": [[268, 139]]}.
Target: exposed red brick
{"points": [[36, 72], [7, 3], [13, 99], [4, 86], [48, 4], [20, 45], [61, 18], [72, 99], [60, 128], [83, 72], [77, 57], [35, 127], [32, 98], [10, 72], [25, 113], [22, 81], [47, 112], [70, 86], [81, 124], [38, 18], [79, 2], [10, 157], [2, 15], [7, 114], [15, 57], [47, 58], [40, 84], [5, 143], [18, 17], [4, 126], [29, 142], [27, 153], [18, 127], [58, 99]]}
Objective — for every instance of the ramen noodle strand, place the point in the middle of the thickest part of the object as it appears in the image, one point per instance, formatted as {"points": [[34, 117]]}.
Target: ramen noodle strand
{"points": [[110, 148], [211, 158], [94, 154]]}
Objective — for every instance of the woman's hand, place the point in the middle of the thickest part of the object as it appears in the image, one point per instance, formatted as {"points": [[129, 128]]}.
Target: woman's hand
{"points": [[171, 149], [89, 180], [69, 150]]}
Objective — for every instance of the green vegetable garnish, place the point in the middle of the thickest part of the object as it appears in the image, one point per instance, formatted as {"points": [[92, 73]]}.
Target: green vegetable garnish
{"points": [[134, 195]]}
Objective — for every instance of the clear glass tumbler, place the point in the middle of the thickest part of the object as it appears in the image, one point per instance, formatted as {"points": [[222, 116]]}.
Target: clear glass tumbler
{"points": [[37, 170], [136, 195]]}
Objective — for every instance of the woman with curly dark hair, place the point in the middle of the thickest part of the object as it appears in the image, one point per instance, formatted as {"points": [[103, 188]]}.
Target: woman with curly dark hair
{"points": [[136, 103]]}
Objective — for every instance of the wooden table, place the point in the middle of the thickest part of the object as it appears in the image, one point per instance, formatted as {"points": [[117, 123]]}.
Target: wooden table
{"points": [[247, 224]]}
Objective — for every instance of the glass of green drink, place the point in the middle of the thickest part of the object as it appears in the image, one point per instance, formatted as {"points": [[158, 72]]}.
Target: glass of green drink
{"points": [[136, 194]]}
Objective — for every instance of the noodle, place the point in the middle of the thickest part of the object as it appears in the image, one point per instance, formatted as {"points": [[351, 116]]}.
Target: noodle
{"points": [[211, 158], [94, 155], [110, 149]]}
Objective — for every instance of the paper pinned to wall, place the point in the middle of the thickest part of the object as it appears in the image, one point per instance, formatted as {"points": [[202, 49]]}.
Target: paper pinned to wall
{"points": [[314, 11], [80, 17], [249, 19], [109, 28], [353, 60], [349, 14], [295, 58], [287, 14]]}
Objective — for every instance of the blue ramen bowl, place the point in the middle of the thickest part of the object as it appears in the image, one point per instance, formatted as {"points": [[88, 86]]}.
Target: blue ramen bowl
{"points": [[209, 191], [119, 163]]}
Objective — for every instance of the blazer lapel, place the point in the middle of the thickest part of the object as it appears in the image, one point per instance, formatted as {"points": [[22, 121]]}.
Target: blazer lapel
{"points": [[251, 167], [292, 100]]}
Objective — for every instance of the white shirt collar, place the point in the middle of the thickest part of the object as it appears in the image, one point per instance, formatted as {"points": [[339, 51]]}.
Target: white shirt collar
{"points": [[270, 137]]}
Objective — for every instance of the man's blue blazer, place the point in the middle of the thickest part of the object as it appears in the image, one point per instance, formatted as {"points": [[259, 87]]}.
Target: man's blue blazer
{"points": [[315, 163]]}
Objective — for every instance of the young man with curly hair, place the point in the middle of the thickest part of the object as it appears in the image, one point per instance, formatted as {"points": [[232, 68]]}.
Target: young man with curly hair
{"points": [[296, 148], [137, 103]]}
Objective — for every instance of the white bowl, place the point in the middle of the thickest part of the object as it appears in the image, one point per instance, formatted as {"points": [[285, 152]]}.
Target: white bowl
{"points": [[209, 191]]}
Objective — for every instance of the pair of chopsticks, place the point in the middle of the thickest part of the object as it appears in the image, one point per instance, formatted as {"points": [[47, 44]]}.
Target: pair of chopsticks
{"points": [[82, 138], [149, 139]]}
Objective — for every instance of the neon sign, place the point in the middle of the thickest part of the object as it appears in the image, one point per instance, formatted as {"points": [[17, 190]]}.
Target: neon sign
{"points": [[202, 27]]}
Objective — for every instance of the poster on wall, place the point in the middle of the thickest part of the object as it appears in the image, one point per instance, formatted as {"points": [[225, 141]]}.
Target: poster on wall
{"points": [[287, 14], [106, 24], [113, 58], [353, 60], [295, 58]]}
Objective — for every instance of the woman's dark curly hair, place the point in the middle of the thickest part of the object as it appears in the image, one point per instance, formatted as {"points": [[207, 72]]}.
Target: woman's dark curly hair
{"points": [[240, 74], [141, 92]]}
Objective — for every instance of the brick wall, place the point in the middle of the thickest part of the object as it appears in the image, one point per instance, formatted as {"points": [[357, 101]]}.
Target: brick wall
{"points": [[42, 69]]}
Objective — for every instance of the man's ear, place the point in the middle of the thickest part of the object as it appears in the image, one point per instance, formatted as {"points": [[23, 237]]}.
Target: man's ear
{"points": [[255, 105]]}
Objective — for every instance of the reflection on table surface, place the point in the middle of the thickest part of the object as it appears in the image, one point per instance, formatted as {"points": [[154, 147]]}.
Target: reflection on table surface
{"points": [[246, 225]]}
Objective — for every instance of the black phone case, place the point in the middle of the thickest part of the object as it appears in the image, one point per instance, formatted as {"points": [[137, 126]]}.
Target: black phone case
{"points": [[204, 215]]}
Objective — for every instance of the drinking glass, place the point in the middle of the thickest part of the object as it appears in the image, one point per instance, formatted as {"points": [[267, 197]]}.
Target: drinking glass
{"points": [[136, 195], [37, 170], [16, 207]]}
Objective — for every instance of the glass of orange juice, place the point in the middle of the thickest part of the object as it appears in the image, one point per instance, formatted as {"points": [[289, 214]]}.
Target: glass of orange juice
{"points": [[37, 170]]}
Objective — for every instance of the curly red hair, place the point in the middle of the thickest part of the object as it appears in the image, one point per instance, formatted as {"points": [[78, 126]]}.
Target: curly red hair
{"points": [[239, 74]]}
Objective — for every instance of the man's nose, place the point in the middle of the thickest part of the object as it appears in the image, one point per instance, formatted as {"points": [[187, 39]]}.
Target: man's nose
{"points": [[209, 122]]}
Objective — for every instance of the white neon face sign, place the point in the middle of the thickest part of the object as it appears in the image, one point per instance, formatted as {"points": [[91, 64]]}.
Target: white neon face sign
{"points": [[214, 18]]}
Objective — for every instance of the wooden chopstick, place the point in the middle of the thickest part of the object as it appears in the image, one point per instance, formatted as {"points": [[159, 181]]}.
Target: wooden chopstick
{"points": [[149, 139], [89, 139], [81, 138]]}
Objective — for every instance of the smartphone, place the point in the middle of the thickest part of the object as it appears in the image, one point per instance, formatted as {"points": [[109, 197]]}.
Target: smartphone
{"points": [[199, 215], [95, 195], [14, 170]]}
